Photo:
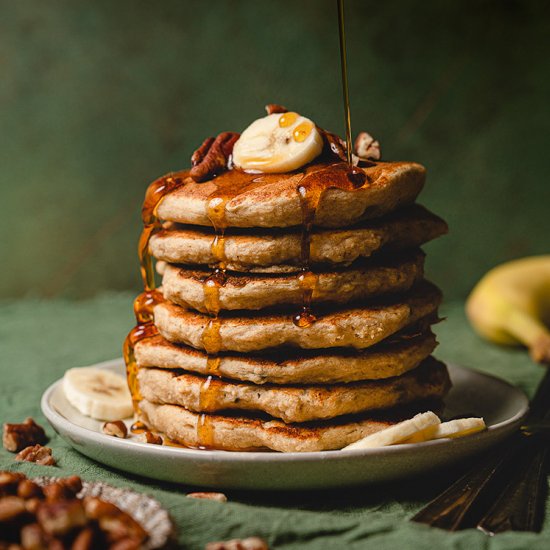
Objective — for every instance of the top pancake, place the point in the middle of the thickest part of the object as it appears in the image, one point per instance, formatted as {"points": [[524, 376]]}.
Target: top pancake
{"points": [[272, 200]]}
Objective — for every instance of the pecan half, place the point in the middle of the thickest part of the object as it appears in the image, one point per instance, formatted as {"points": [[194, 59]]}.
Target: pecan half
{"points": [[37, 453], [116, 429], [219, 497], [367, 147], [211, 158], [273, 108], [18, 436], [198, 156], [251, 543], [335, 146], [150, 437]]}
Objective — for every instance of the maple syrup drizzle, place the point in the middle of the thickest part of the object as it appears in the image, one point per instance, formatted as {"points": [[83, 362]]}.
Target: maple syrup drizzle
{"points": [[310, 190], [344, 68], [146, 301], [211, 338], [205, 432]]}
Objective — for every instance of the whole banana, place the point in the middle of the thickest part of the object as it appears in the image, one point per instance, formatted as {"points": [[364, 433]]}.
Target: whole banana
{"points": [[511, 305]]}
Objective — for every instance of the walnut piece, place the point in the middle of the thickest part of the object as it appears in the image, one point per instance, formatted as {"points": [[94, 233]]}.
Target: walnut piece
{"points": [[116, 429], [18, 436], [38, 454], [251, 543], [219, 497], [211, 158], [367, 147]]}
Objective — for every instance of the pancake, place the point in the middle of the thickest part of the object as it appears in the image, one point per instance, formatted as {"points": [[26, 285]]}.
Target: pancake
{"points": [[293, 403], [280, 251], [250, 433], [272, 200], [358, 327], [288, 367], [186, 286]]}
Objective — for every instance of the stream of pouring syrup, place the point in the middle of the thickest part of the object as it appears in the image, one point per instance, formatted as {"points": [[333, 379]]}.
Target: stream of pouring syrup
{"points": [[315, 180]]}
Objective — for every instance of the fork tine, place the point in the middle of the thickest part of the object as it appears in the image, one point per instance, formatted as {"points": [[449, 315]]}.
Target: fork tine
{"points": [[518, 507], [449, 509]]}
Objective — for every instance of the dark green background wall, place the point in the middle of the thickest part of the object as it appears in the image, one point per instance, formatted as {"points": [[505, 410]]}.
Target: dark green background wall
{"points": [[99, 98]]}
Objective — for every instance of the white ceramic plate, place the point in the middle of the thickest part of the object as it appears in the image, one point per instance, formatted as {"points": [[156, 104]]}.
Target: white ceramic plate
{"points": [[501, 405]]}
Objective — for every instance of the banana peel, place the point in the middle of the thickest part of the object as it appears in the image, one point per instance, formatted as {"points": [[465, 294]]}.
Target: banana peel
{"points": [[510, 305]]}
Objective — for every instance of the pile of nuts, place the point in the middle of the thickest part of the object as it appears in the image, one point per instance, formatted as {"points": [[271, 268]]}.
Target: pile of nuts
{"points": [[35, 517], [27, 439]]}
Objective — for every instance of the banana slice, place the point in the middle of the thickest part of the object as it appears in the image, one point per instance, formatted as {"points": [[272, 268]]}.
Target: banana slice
{"points": [[423, 424], [454, 428], [98, 393], [277, 143]]}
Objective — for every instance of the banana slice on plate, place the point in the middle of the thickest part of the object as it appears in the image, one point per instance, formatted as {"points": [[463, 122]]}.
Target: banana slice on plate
{"points": [[423, 424], [98, 393], [459, 427], [280, 142]]}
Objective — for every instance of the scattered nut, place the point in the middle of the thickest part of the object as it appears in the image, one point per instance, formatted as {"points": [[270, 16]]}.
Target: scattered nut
{"points": [[18, 436], [211, 158], [11, 507], [37, 453], [251, 543], [61, 517], [273, 108], [220, 497], [116, 429], [150, 437], [367, 147]]}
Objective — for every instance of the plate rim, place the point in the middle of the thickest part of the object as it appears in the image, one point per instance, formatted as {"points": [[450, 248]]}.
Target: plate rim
{"points": [[263, 457]]}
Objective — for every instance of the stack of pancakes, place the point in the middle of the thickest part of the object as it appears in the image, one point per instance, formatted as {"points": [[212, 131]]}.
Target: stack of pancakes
{"points": [[230, 368]]}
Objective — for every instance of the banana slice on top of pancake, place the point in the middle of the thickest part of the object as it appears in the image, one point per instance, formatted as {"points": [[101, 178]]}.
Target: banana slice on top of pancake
{"points": [[279, 142]]}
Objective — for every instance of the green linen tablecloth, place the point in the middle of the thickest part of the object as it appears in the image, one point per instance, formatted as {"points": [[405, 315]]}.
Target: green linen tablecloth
{"points": [[39, 340]]}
